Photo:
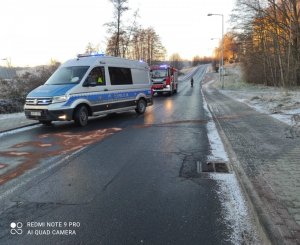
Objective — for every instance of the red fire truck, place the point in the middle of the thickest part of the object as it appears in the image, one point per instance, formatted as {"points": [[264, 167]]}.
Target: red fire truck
{"points": [[164, 79]]}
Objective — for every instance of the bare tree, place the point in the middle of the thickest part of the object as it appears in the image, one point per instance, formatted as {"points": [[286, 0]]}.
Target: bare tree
{"points": [[269, 34], [132, 41], [90, 48], [176, 61], [146, 45], [115, 27]]}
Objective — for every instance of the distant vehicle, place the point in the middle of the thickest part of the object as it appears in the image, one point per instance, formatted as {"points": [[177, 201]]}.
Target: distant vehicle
{"points": [[91, 85], [164, 79]]}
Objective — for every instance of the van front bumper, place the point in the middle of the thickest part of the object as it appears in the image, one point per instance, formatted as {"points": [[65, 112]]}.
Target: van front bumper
{"points": [[46, 115]]}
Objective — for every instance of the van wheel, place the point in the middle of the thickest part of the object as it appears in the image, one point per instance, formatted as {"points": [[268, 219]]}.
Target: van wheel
{"points": [[46, 122], [141, 106], [81, 116]]}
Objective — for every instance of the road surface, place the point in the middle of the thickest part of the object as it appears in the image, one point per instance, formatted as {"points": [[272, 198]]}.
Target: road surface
{"points": [[123, 179]]}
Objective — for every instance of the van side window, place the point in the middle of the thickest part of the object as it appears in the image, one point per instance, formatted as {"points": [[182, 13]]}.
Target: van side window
{"points": [[120, 76], [96, 77]]}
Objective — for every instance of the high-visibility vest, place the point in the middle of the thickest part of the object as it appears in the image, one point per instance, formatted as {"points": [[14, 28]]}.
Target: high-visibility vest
{"points": [[100, 80]]}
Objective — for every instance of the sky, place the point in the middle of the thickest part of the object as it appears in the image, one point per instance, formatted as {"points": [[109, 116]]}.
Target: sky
{"points": [[33, 32]]}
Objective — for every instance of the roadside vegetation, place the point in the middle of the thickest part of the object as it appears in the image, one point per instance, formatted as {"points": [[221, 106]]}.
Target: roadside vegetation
{"points": [[264, 51], [13, 91], [266, 40]]}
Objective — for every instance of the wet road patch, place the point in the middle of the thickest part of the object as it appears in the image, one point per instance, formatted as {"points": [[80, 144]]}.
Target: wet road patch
{"points": [[23, 156]]}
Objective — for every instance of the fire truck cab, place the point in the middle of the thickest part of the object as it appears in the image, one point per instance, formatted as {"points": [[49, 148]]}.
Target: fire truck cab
{"points": [[164, 79]]}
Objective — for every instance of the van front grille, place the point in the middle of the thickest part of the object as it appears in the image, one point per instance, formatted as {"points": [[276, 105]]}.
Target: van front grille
{"points": [[38, 101]]}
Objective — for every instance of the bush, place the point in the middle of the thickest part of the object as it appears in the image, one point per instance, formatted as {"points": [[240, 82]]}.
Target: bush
{"points": [[13, 92]]}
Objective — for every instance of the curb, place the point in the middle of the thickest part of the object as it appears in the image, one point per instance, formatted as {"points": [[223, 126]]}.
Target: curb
{"points": [[267, 231], [19, 127]]}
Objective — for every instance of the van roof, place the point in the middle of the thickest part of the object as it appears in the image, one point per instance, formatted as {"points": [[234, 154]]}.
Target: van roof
{"points": [[108, 60]]}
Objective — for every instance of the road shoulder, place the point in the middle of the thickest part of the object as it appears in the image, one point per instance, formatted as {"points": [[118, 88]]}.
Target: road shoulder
{"points": [[260, 171]]}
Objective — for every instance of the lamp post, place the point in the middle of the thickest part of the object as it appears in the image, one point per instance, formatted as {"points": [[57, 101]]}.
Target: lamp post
{"points": [[222, 59]]}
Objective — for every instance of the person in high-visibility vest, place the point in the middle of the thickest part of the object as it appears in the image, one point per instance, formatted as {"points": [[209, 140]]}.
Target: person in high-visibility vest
{"points": [[100, 80]]}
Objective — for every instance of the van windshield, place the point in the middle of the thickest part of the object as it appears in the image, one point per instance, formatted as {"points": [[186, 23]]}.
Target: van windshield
{"points": [[67, 75]]}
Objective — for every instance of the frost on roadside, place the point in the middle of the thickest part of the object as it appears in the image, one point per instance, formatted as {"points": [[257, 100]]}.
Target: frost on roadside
{"points": [[279, 103], [235, 212]]}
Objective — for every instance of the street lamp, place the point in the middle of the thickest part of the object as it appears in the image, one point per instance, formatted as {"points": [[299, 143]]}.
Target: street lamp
{"points": [[222, 60]]}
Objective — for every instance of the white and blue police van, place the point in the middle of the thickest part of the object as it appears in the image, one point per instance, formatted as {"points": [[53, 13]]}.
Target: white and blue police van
{"points": [[91, 85]]}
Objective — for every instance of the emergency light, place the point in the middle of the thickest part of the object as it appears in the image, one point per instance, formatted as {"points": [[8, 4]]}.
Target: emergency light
{"points": [[163, 66], [89, 55]]}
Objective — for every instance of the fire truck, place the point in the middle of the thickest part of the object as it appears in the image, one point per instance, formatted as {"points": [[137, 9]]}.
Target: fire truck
{"points": [[164, 79]]}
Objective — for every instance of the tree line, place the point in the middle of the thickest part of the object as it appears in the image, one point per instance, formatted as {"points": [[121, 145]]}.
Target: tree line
{"points": [[266, 39], [128, 39]]}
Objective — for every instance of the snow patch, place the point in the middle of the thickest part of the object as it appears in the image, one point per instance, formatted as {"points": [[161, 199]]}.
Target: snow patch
{"points": [[218, 152], [19, 115], [262, 107], [235, 212]]}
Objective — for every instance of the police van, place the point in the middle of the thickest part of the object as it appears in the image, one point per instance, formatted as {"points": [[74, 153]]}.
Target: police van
{"points": [[91, 85]]}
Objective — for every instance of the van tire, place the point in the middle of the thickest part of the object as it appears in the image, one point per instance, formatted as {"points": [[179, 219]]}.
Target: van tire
{"points": [[46, 122], [141, 106], [81, 116]]}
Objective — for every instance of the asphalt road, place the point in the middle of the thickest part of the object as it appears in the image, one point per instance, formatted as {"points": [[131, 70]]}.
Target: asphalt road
{"points": [[123, 179]]}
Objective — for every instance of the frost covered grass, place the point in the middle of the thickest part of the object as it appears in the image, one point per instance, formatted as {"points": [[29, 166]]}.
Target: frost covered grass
{"points": [[233, 79], [13, 91], [19, 115], [282, 104]]}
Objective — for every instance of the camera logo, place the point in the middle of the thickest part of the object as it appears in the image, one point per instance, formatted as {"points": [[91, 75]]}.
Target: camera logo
{"points": [[16, 228]]}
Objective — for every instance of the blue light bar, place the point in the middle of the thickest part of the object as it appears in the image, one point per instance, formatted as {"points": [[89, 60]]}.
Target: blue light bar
{"points": [[97, 54], [163, 66], [90, 55]]}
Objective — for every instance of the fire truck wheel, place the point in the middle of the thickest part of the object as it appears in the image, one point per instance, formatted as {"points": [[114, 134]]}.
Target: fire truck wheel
{"points": [[141, 106]]}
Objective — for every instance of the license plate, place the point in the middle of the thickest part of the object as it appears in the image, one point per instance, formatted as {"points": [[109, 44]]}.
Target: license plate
{"points": [[35, 113]]}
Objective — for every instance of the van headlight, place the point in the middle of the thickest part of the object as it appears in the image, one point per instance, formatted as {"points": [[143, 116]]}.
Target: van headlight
{"points": [[59, 99]]}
